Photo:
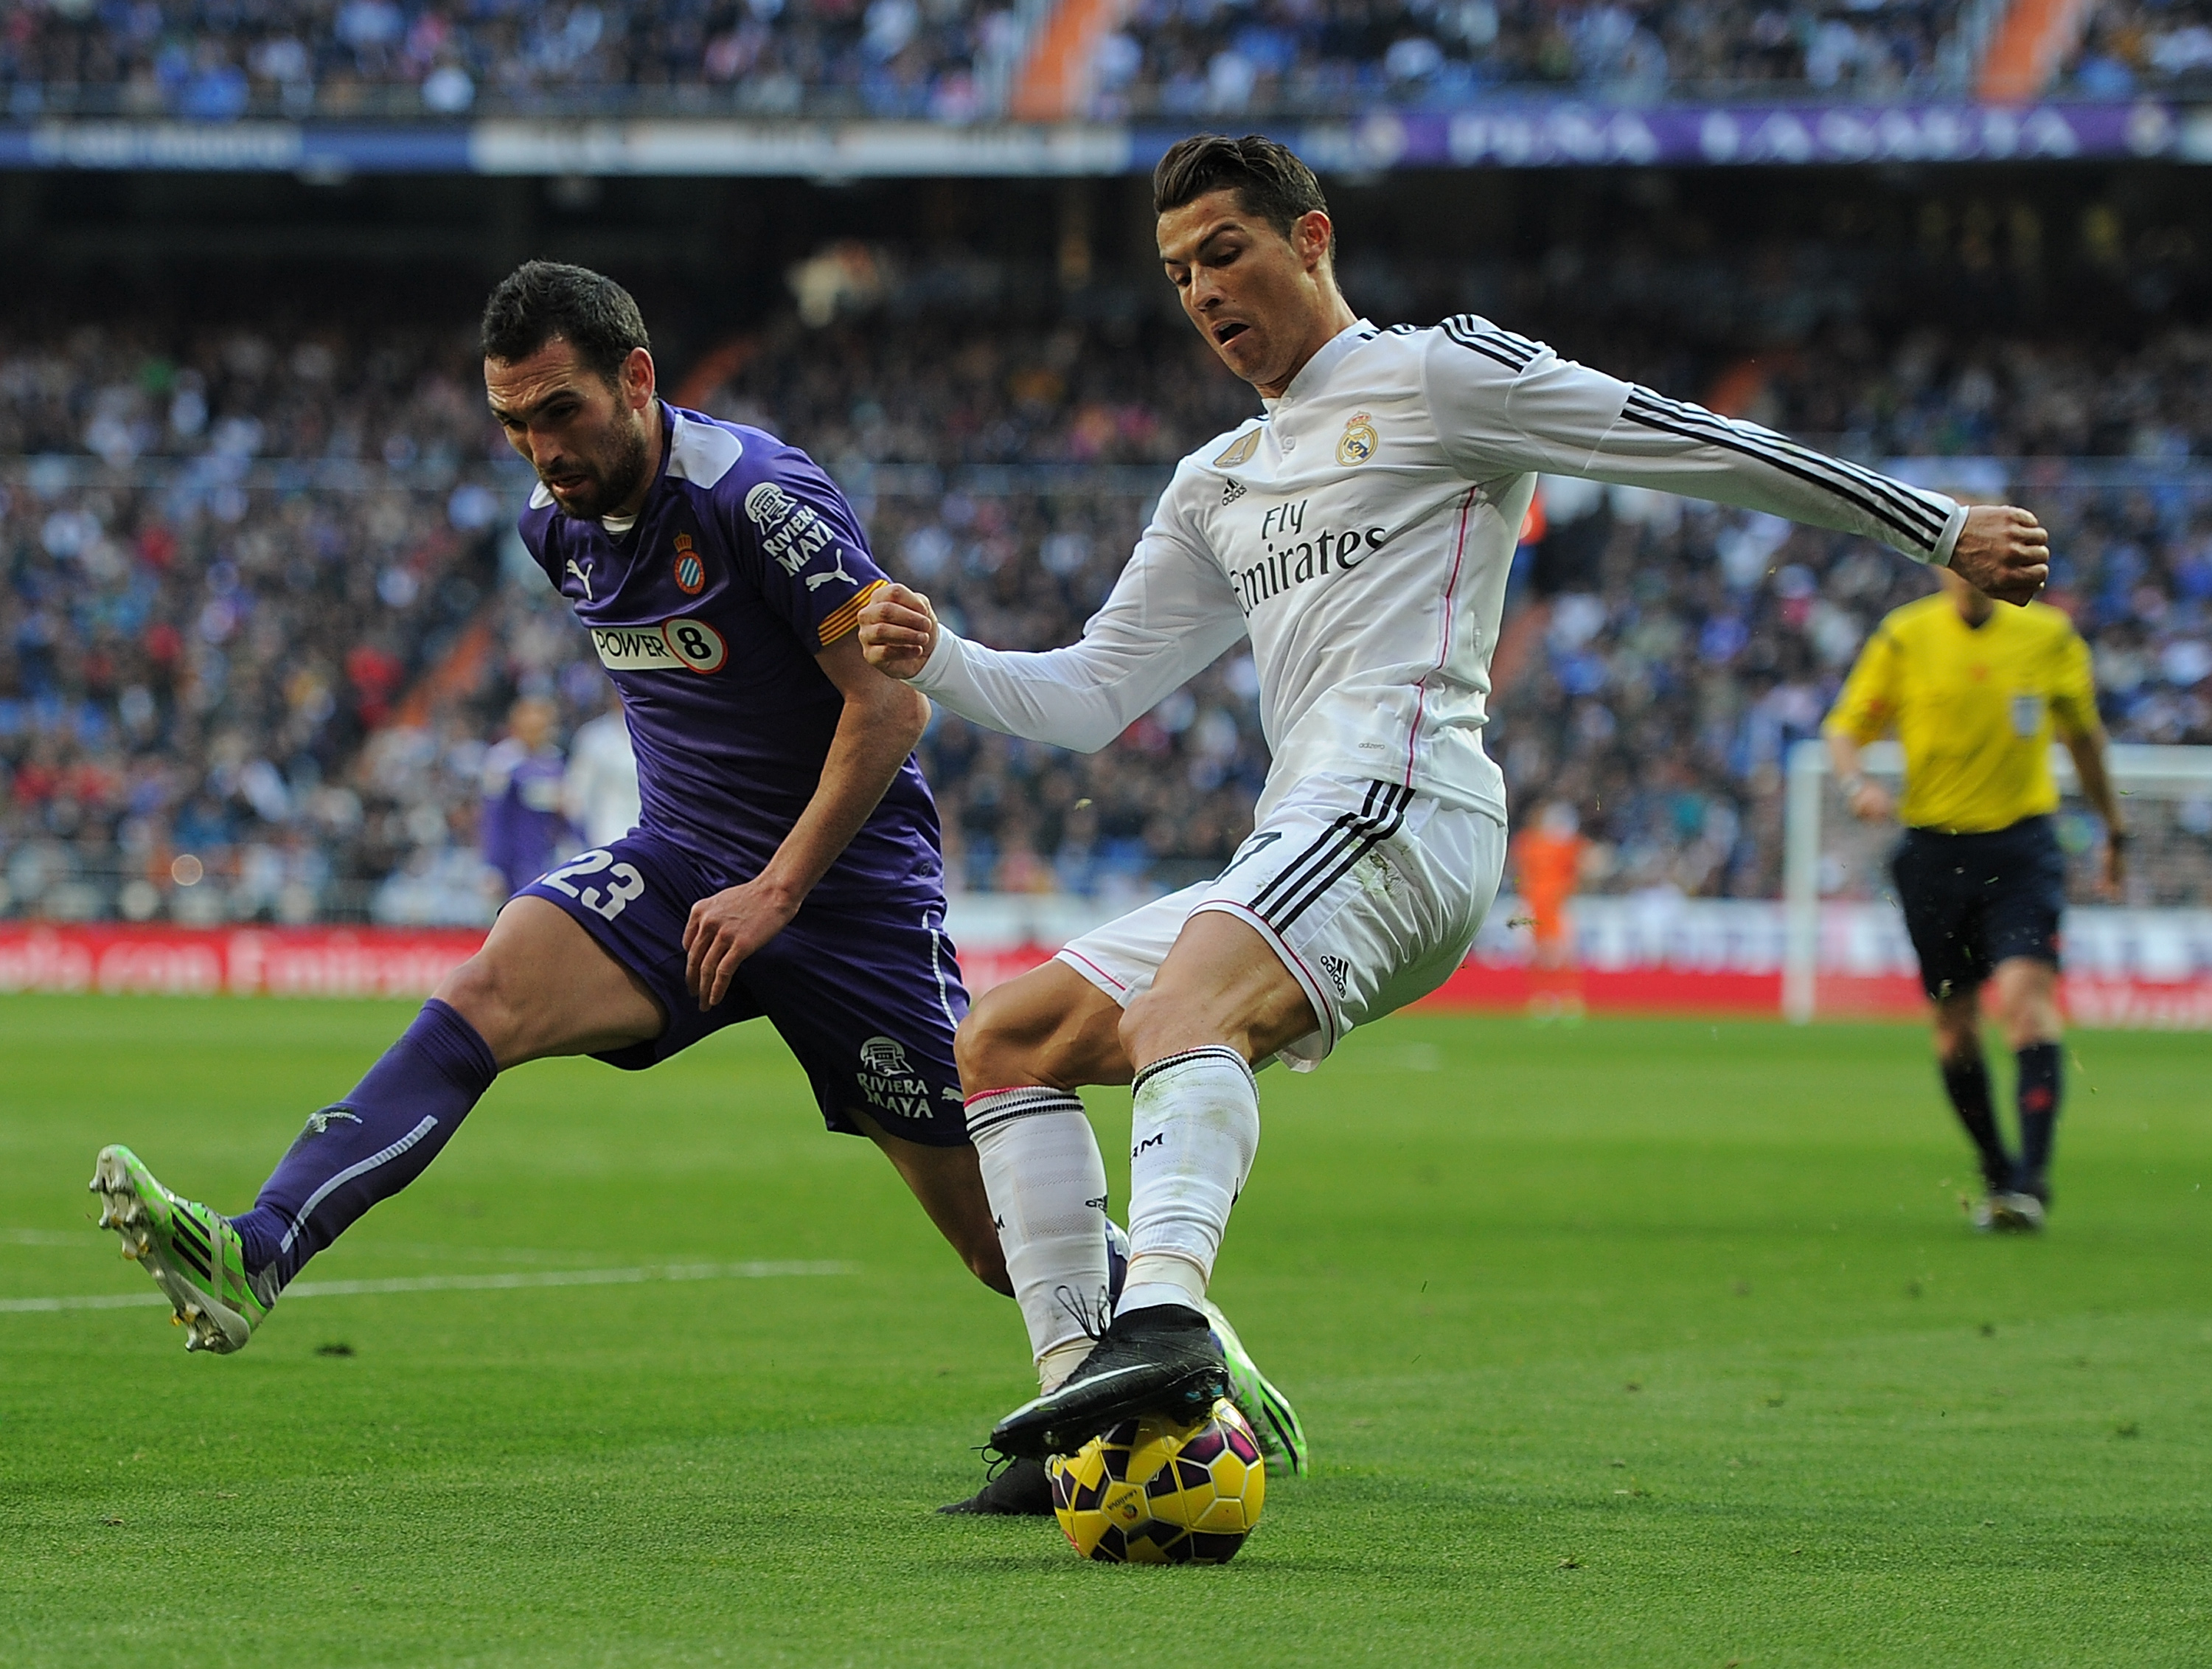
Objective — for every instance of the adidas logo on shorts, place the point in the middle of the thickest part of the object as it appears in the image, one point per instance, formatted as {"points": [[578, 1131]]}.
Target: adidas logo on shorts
{"points": [[1338, 971]]}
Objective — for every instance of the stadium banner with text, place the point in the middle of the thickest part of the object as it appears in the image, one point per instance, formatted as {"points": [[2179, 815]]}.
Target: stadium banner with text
{"points": [[1658, 955], [156, 960], [1507, 134]]}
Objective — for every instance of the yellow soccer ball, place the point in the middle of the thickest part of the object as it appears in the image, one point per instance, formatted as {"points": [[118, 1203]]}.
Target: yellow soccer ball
{"points": [[1155, 1492]]}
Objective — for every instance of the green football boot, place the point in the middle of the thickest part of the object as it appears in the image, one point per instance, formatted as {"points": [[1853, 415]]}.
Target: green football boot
{"points": [[1264, 1409], [193, 1254]]}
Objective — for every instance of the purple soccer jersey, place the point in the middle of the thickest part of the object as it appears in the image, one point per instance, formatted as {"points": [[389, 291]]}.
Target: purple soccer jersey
{"points": [[743, 563]]}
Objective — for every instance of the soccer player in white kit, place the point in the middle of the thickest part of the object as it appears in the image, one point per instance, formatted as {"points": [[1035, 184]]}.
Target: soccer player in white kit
{"points": [[1358, 532]]}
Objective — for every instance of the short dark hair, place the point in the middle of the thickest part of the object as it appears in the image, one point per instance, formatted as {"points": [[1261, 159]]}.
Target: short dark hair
{"points": [[542, 299], [1267, 177]]}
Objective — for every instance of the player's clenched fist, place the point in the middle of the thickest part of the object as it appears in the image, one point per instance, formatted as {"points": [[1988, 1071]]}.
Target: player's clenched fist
{"points": [[898, 629], [2004, 551]]}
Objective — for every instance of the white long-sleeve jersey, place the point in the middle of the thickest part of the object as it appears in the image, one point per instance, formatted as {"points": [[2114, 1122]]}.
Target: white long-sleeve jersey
{"points": [[1360, 531]]}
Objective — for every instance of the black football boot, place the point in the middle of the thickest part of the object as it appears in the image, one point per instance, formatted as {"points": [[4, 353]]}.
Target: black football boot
{"points": [[1163, 1359], [1021, 1491]]}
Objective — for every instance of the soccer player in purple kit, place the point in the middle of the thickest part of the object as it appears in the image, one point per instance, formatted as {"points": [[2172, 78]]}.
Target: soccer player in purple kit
{"points": [[786, 863]]}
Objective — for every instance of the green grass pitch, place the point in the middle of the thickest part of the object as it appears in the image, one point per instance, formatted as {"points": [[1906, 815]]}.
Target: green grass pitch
{"points": [[1636, 1344]]}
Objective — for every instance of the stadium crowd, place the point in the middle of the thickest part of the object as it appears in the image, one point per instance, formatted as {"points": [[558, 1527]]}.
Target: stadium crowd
{"points": [[1199, 59], [215, 60], [2130, 47], [263, 619], [953, 60]]}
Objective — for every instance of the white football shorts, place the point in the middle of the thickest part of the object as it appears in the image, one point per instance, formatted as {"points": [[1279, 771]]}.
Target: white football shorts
{"points": [[1369, 892]]}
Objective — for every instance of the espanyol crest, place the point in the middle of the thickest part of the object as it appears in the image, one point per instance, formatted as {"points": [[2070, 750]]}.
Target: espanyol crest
{"points": [[691, 572]]}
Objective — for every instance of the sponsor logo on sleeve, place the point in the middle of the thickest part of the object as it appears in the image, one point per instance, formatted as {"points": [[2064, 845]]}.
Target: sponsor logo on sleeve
{"points": [[690, 571], [889, 1082], [673, 646], [791, 533]]}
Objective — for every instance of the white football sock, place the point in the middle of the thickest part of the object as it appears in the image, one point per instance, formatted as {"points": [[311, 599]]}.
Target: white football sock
{"points": [[1047, 1185], [1194, 1132]]}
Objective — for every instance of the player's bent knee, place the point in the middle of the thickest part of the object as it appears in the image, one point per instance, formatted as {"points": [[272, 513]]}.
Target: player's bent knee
{"points": [[1049, 1027], [477, 991]]}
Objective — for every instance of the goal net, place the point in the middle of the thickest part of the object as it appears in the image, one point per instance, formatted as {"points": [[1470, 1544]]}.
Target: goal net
{"points": [[2142, 958]]}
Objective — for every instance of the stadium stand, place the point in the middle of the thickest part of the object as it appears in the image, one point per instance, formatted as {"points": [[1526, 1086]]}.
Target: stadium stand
{"points": [[264, 615], [1205, 58], [2132, 48], [960, 60], [205, 59]]}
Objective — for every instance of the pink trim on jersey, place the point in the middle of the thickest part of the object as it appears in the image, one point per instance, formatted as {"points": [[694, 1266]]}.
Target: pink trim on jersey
{"points": [[1444, 648], [1316, 993]]}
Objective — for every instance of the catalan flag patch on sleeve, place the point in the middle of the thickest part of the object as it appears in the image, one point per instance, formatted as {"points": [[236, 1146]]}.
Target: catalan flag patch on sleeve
{"points": [[847, 615]]}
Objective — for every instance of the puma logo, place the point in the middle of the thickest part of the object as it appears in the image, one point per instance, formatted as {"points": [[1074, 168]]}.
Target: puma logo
{"points": [[816, 582], [584, 576], [318, 1124]]}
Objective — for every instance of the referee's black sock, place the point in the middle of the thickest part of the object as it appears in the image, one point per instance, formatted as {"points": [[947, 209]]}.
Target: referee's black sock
{"points": [[1967, 1083], [2039, 1114]]}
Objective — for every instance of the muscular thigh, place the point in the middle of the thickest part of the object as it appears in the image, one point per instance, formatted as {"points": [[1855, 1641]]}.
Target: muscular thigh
{"points": [[542, 985], [1222, 983]]}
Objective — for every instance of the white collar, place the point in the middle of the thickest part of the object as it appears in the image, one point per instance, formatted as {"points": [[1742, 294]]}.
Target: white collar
{"points": [[1315, 371]]}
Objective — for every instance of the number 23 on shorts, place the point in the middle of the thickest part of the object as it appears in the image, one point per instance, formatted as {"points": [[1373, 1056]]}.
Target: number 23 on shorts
{"points": [[624, 882]]}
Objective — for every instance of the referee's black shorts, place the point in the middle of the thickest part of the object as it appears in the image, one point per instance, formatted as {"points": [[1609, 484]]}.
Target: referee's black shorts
{"points": [[1974, 900]]}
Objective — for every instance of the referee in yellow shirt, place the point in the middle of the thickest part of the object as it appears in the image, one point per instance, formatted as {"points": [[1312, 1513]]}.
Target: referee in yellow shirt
{"points": [[1975, 693]]}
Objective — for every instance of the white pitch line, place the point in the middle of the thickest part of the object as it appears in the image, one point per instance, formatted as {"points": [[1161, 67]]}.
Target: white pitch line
{"points": [[569, 1277]]}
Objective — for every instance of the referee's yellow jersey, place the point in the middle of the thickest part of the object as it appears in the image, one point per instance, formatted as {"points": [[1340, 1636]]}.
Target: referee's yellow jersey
{"points": [[1975, 707]]}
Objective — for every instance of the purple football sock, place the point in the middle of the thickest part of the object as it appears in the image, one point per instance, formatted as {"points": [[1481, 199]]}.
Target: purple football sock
{"points": [[371, 1145]]}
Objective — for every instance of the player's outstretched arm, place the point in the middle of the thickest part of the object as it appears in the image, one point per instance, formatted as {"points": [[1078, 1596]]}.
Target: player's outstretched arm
{"points": [[1506, 404], [882, 721], [1171, 613]]}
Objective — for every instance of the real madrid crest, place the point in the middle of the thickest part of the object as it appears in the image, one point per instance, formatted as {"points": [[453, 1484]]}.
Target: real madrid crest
{"points": [[691, 572], [1359, 441]]}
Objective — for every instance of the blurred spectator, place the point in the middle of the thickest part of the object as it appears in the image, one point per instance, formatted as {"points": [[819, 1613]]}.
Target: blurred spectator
{"points": [[600, 793], [2131, 46], [524, 826], [1548, 861]]}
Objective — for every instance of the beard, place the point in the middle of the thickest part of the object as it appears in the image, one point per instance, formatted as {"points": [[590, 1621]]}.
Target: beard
{"points": [[610, 480]]}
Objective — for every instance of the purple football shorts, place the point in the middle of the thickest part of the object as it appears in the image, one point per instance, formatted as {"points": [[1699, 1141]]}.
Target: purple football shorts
{"points": [[867, 1001]]}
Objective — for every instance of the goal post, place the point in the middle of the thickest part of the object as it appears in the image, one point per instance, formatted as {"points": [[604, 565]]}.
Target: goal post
{"points": [[1835, 869]]}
